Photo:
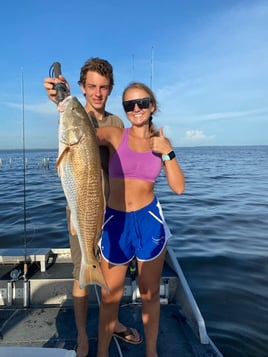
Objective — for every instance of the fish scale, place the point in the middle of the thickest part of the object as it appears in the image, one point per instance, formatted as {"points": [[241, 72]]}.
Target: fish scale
{"points": [[79, 168]]}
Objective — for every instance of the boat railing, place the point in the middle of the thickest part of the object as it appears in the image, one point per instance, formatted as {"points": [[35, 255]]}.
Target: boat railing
{"points": [[187, 299]]}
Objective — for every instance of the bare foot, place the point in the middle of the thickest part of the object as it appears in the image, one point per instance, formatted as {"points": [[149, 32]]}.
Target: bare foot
{"points": [[82, 348]]}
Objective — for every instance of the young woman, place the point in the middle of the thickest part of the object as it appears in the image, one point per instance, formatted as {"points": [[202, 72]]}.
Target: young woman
{"points": [[134, 224]]}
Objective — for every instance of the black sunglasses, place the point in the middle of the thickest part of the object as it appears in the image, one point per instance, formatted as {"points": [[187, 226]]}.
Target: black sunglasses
{"points": [[142, 103]]}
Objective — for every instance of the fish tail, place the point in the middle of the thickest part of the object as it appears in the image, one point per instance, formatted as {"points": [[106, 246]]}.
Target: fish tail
{"points": [[92, 274]]}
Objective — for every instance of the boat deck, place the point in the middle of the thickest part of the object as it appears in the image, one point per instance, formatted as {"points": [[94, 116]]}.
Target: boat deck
{"points": [[48, 319], [55, 327]]}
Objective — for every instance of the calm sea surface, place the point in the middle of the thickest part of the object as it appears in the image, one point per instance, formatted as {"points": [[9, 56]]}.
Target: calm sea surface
{"points": [[219, 226]]}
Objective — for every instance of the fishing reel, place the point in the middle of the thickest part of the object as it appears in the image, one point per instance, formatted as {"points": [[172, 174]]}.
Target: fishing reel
{"points": [[61, 89], [15, 274]]}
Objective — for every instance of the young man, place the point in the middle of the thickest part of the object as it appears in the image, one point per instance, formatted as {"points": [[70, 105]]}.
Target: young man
{"points": [[96, 82]]}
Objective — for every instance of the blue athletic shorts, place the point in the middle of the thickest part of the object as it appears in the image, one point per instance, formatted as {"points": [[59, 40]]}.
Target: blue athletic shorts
{"points": [[142, 233]]}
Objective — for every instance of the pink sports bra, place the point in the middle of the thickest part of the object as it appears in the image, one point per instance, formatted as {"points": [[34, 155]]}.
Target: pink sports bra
{"points": [[126, 163]]}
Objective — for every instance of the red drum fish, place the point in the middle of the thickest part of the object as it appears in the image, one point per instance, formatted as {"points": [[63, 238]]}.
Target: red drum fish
{"points": [[79, 168]]}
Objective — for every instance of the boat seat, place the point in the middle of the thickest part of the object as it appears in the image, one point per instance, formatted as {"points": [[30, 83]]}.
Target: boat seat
{"points": [[17, 255]]}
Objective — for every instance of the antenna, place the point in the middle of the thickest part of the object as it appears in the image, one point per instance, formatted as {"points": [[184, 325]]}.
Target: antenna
{"points": [[152, 68], [133, 68]]}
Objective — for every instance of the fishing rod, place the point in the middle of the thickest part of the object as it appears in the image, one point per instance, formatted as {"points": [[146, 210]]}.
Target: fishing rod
{"points": [[26, 283], [61, 89], [16, 274], [24, 176]]}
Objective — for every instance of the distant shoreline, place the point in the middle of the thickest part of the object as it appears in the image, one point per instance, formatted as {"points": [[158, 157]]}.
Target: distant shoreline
{"points": [[176, 147]]}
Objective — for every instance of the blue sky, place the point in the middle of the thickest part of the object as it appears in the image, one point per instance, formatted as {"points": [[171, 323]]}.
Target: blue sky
{"points": [[207, 62]]}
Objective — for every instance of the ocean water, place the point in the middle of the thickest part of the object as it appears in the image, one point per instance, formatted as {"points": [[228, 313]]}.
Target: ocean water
{"points": [[219, 226]]}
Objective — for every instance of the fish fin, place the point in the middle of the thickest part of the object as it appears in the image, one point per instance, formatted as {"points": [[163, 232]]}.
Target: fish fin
{"points": [[92, 274], [61, 156], [72, 228]]}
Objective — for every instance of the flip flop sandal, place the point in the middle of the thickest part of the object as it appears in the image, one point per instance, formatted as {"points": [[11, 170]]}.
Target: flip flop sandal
{"points": [[127, 336]]}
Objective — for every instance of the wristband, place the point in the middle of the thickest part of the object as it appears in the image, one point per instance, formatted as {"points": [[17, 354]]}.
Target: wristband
{"points": [[169, 156]]}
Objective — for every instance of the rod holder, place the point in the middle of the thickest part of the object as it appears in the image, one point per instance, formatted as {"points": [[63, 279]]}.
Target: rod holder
{"points": [[10, 293], [26, 293]]}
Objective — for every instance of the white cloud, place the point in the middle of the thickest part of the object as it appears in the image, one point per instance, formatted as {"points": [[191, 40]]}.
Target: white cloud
{"points": [[40, 108], [196, 136], [43, 108], [233, 115]]}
